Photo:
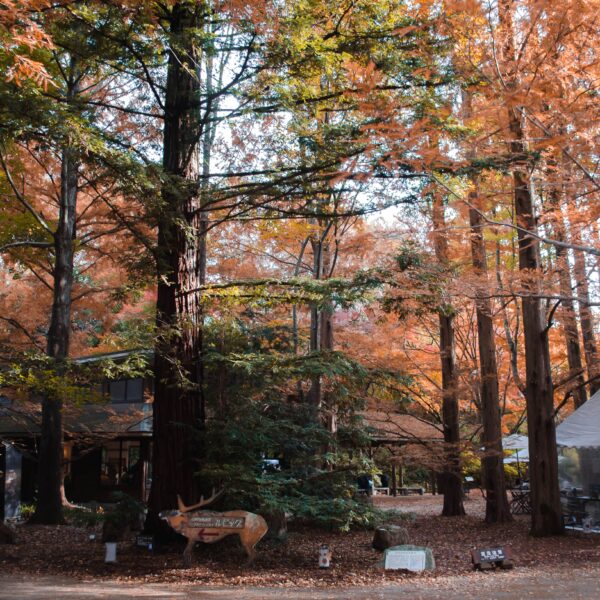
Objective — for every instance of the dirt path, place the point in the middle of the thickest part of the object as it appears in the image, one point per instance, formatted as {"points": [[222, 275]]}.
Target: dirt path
{"points": [[562, 584], [429, 505]]}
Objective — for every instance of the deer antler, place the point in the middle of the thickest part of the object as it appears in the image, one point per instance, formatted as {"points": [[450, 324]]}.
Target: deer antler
{"points": [[213, 498]]}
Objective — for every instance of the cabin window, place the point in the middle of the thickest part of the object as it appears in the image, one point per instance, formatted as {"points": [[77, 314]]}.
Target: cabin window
{"points": [[126, 390], [120, 459]]}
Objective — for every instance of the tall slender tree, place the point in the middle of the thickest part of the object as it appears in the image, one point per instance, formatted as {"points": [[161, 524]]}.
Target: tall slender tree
{"points": [[452, 476], [543, 465], [497, 509], [50, 480]]}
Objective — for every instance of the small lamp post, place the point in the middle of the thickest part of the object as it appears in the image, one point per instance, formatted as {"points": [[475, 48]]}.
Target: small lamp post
{"points": [[324, 557]]}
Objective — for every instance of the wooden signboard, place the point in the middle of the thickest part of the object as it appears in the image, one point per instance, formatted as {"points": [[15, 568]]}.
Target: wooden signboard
{"points": [[218, 522], [489, 558]]}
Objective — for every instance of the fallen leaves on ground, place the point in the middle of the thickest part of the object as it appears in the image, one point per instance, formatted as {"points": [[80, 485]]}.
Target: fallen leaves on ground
{"points": [[67, 550]]}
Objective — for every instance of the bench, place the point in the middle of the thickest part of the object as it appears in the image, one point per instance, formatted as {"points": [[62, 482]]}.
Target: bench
{"points": [[384, 491], [405, 491]]}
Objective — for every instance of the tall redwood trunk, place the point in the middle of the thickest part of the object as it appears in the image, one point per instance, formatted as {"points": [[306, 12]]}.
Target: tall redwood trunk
{"points": [[546, 518], [452, 478], [178, 410], [497, 509], [50, 462]]}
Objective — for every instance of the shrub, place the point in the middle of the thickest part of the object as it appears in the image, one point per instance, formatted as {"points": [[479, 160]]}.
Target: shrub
{"points": [[83, 517], [27, 511]]}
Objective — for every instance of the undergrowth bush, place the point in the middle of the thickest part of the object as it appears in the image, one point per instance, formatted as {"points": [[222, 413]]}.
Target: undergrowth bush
{"points": [[81, 516]]}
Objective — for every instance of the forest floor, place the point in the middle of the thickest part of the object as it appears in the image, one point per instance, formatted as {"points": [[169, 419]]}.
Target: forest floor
{"points": [[533, 584], [66, 551]]}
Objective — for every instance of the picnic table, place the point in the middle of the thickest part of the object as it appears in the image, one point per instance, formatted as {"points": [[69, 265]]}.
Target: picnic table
{"points": [[405, 491], [577, 508]]}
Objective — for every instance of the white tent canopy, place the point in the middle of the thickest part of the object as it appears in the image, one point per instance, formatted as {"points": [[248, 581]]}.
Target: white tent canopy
{"points": [[519, 444], [581, 429]]}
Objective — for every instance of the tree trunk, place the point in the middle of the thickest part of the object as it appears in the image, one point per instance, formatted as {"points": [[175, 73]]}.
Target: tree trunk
{"points": [[178, 408], [543, 465], [326, 335], [497, 509], [546, 518], [453, 493], [321, 331], [586, 318], [567, 314], [394, 486], [50, 462], [314, 393]]}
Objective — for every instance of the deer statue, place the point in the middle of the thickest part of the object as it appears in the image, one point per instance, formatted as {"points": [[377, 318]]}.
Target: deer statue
{"points": [[209, 526]]}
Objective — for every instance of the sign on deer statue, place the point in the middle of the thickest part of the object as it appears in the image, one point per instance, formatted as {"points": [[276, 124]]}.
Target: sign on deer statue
{"points": [[209, 526]]}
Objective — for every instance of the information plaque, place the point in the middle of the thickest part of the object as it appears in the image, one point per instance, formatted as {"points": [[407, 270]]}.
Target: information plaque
{"points": [[490, 558], [411, 560]]}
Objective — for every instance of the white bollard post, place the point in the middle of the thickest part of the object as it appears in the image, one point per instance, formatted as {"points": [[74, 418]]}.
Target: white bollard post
{"points": [[111, 552]]}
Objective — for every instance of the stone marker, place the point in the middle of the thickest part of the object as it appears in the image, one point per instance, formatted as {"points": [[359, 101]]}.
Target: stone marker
{"points": [[388, 536], [408, 557]]}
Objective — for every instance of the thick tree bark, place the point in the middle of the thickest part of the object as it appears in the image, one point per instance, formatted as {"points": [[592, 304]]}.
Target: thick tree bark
{"points": [[50, 461], [452, 478], [546, 518], [178, 407], [497, 509]]}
